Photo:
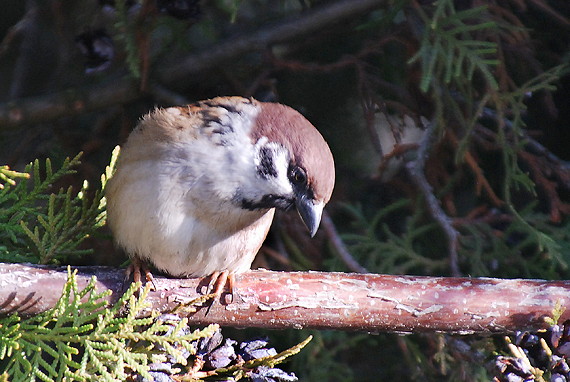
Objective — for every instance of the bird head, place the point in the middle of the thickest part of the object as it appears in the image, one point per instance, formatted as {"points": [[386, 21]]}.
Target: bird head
{"points": [[293, 164], [253, 155]]}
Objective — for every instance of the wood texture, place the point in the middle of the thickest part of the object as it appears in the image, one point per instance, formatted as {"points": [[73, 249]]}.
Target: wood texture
{"points": [[344, 301]]}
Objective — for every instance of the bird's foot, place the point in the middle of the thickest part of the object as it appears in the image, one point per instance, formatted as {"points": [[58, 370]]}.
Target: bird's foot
{"points": [[217, 286], [137, 268], [211, 288]]}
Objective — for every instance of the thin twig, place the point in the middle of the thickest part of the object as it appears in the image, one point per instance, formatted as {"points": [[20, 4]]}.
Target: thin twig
{"points": [[276, 255], [561, 165], [339, 245], [416, 170], [557, 206], [398, 151], [481, 181], [27, 52], [17, 29]]}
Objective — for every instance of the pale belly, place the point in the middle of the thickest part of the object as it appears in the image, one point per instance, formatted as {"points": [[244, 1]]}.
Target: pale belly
{"points": [[183, 247]]}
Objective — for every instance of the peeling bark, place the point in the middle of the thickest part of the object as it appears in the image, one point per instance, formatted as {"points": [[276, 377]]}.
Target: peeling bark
{"points": [[344, 301]]}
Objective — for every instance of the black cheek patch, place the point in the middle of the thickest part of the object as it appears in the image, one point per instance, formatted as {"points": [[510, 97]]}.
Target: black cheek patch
{"points": [[268, 201], [266, 168]]}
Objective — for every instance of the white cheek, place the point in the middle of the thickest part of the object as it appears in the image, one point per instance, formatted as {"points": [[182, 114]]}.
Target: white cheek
{"points": [[279, 184], [282, 182]]}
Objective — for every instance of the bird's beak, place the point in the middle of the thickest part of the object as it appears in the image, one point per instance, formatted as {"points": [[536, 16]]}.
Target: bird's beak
{"points": [[310, 212]]}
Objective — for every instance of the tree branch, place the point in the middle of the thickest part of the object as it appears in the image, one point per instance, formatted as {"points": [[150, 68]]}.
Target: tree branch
{"points": [[76, 101], [291, 28], [339, 245], [343, 301], [67, 102], [416, 170]]}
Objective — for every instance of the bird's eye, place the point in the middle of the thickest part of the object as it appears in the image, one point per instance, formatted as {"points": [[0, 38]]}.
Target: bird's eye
{"points": [[297, 175]]}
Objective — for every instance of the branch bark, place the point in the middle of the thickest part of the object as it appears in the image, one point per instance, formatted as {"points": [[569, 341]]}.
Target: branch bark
{"points": [[74, 101], [344, 301], [416, 170], [65, 103]]}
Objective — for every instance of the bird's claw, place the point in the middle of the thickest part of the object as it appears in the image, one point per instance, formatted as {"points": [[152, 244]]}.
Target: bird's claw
{"points": [[136, 268], [217, 284]]}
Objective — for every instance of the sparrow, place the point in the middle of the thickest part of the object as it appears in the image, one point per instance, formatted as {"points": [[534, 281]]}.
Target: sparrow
{"points": [[196, 186]]}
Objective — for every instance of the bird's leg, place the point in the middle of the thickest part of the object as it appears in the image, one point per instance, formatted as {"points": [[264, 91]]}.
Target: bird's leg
{"points": [[218, 281], [135, 269]]}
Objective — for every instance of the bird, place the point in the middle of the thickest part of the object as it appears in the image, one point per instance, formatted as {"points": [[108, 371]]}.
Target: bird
{"points": [[196, 187]]}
